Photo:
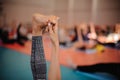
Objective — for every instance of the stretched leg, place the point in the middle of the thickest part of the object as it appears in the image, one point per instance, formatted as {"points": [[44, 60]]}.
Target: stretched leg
{"points": [[112, 68], [38, 63], [5, 38]]}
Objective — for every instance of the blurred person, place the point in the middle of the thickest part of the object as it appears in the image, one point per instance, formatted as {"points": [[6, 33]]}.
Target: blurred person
{"points": [[81, 31], [84, 32], [7, 33], [63, 36], [13, 33], [21, 34], [1, 25], [110, 39], [0, 31], [117, 28], [41, 25], [110, 68], [29, 30]]}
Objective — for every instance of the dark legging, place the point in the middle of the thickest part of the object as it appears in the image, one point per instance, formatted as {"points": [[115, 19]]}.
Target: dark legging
{"points": [[112, 68], [5, 38], [38, 63], [4, 35]]}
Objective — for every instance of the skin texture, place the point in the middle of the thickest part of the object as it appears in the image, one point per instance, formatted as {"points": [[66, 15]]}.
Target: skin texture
{"points": [[49, 24]]}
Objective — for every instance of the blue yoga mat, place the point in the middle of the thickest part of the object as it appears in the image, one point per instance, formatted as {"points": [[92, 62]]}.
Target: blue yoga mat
{"points": [[16, 66]]}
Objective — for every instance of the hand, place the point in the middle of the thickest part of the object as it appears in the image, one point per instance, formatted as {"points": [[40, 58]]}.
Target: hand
{"points": [[43, 24]]}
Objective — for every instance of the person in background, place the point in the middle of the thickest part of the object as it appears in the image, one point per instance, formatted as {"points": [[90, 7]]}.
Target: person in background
{"points": [[110, 68], [117, 28], [62, 36], [8, 33], [111, 39], [85, 36], [1, 26], [13, 33], [41, 25], [21, 34]]}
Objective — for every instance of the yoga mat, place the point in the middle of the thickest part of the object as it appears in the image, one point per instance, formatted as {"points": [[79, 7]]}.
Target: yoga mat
{"points": [[16, 66]]}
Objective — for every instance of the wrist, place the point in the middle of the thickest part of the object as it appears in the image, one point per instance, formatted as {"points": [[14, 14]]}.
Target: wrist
{"points": [[36, 35]]}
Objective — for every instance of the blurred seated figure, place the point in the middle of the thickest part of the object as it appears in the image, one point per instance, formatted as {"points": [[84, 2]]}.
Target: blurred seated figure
{"points": [[0, 31], [64, 37], [11, 34], [28, 26], [8, 33], [21, 34], [110, 68], [85, 36], [117, 28], [118, 32], [110, 39], [1, 25]]}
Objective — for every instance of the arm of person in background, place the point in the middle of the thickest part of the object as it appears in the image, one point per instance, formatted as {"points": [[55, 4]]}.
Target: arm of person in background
{"points": [[92, 34], [117, 28], [92, 28], [54, 69], [79, 27]]}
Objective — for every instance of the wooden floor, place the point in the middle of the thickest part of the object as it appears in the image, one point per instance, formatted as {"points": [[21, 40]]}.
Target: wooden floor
{"points": [[78, 57]]}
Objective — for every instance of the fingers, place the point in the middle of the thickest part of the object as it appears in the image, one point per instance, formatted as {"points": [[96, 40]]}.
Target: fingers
{"points": [[54, 21], [51, 28]]}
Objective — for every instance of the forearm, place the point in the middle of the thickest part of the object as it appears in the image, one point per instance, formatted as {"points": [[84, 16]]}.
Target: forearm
{"points": [[92, 29], [79, 35], [55, 52], [38, 63]]}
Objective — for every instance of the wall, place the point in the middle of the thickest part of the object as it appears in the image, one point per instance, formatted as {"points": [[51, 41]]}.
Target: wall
{"points": [[107, 11]]}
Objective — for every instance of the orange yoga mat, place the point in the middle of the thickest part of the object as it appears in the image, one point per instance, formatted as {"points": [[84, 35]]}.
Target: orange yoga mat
{"points": [[78, 57]]}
